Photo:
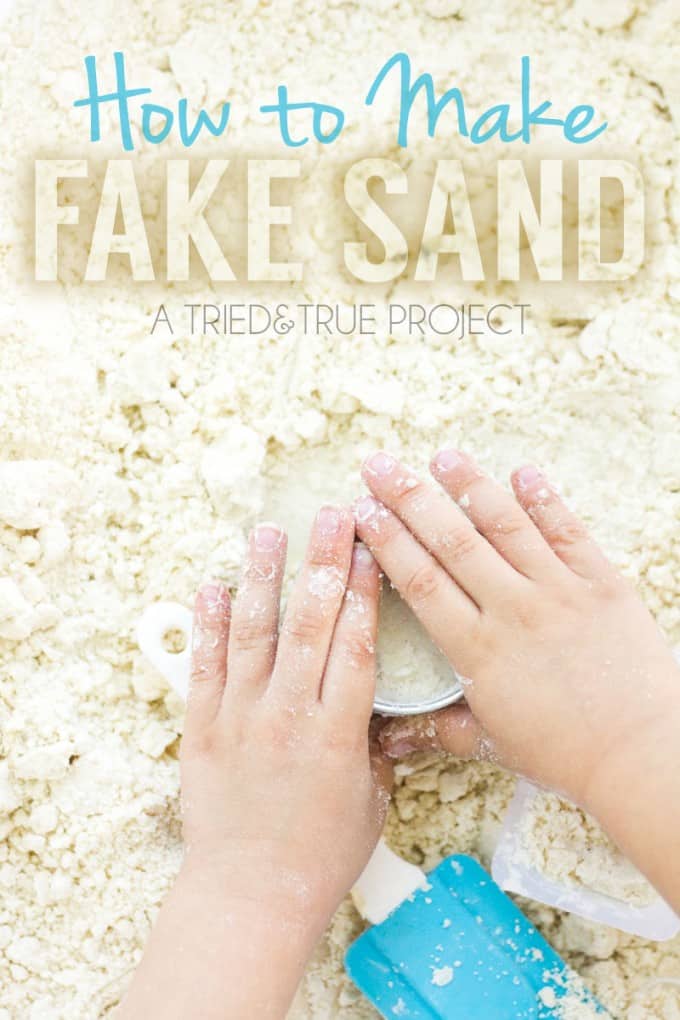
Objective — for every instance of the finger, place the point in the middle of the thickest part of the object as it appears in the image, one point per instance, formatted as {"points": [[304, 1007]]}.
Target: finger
{"points": [[453, 729], [446, 612], [255, 616], [495, 513], [382, 767], [440, 526], [349, 682], [313, 607], [208, 655], [563, 531]]}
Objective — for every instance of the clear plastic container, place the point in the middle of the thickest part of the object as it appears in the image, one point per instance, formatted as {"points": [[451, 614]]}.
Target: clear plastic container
{"points": [[656, 921]]}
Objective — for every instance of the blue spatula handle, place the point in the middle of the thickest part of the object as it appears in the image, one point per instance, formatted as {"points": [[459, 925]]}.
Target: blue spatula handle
{"points": [[460, 950]]}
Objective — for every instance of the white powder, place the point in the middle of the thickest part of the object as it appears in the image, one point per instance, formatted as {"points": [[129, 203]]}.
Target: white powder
{"points": [[326, 583], [154, 455], [411, 669], [547, 996], [568, 997], [442, 976]]}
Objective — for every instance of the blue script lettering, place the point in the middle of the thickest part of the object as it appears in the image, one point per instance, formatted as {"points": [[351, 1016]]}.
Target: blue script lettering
{"points": [[122, 94], [492, 121]]}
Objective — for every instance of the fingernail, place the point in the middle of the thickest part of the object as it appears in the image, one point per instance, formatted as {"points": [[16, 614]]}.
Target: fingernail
{"points": [[362, 559], [380, 464], [267, 537], [364, 509], [528, 476], [329, 521], [211, 593], [214, 596], [447, 460], [405, 736]]}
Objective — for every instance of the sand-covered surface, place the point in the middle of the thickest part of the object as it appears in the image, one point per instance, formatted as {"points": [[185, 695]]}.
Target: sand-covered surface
{"points": [[145, 459]]}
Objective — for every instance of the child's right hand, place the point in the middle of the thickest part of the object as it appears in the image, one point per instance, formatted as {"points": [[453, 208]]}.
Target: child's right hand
{"points": [[570, 681]]}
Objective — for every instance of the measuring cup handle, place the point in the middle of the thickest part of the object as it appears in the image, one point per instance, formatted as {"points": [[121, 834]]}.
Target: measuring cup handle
{"points": [[155, 622]]}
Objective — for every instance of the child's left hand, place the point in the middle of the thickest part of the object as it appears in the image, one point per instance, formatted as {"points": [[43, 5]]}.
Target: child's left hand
{"points": [[283, 795]]}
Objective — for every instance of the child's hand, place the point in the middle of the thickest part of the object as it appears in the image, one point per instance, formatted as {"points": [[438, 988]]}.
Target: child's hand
{"points": [[569, 680], [280, 788], [283, 796]]}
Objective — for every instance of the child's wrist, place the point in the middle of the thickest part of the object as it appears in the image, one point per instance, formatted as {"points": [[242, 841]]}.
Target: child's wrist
{"points": [[634, 800], [621, 782], [275, 896], [241, 945]]}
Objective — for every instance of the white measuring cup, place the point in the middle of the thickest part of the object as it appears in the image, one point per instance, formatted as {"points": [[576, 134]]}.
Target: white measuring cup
{"points": [[154, 624], [161, 617]]}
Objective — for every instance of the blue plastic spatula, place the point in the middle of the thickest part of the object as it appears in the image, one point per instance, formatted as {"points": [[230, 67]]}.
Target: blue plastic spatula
{"points": [[456, 947]]}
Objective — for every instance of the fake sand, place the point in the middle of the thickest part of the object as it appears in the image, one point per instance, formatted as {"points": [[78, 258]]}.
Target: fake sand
{"points": [[566, 844], [162, 451]]}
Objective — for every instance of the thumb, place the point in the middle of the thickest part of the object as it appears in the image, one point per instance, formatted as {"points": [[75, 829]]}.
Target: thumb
{"points": [[382, 767], [453, 729]]}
